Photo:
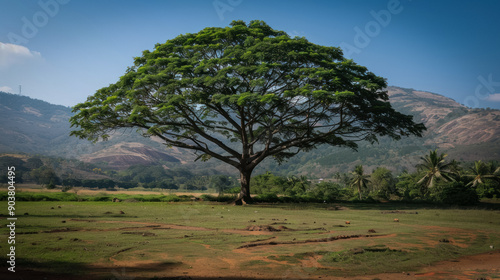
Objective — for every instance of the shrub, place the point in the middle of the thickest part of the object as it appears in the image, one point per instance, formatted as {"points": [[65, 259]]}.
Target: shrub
{"points": [[488, 189], [455, 193], [326, 191], [235, 190], [267, 197], [208, 197], [100, 198], [220, 198], [66, 188], [170, 198], [368, 199]]}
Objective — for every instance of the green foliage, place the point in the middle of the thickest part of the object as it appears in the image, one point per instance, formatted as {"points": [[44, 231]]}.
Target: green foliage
{"points": [[383, 183], [435, 168], [274, 188], [26, 196], [407, 186], [328, 192], [455, 193], [44, 175], [99, 184], [219, 198], [34, 163], [357, 256], [359, 180], [66, 196], [484, 172], [489, 189], [50, 186], [66, 188], [144, 174], [221, 183], [268, 183], [247, 83], [8, 161], [233, 190], [267, 197]]}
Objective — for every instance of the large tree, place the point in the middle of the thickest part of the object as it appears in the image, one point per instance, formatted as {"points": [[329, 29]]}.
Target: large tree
{"points": [[244, 93]]}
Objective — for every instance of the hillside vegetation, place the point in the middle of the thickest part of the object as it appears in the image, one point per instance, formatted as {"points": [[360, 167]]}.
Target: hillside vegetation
{"points": [[437, 180]]}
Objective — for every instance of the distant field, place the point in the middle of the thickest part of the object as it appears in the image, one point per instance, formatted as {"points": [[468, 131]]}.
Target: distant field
{"points": [[201, 240], [83, 191]]}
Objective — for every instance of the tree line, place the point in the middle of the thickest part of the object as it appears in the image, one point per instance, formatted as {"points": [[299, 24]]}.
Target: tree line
{"points": [[435, 180]]}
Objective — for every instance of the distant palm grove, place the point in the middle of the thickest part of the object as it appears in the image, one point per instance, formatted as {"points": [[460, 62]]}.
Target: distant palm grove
{"points": [[436, 180]]}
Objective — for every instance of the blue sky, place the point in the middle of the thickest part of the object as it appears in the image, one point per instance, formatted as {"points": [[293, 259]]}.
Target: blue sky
{"points": [[62, 51]]}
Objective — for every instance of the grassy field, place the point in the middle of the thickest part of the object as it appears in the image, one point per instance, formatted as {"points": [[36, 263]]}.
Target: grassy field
{"points": [[157, 240]]}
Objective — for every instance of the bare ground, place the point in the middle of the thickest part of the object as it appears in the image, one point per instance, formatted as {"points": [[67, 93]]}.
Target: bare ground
{"points": [[471, 267], [228, 266]]}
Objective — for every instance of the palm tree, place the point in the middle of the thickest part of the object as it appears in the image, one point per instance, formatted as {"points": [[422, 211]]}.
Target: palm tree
{"points": [[360, 180], [482, 171], [435, 168]]}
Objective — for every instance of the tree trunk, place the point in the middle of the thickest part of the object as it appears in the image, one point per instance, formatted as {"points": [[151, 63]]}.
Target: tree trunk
{"points": [[244, 195]]}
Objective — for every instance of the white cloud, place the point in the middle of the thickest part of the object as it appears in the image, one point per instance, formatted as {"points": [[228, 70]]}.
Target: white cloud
{"points": [[6, 89], [495, 97], [11, 55]]}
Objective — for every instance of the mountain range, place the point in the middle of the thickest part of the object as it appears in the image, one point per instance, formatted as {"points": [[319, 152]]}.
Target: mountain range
{"points": [[33, 126]]}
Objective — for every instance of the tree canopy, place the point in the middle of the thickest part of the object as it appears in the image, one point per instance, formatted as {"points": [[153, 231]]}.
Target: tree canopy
{"points": [[244, 93], [360, 179], [434, 167]]}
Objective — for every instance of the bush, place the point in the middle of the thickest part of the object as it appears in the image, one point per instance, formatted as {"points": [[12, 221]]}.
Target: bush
{"points": [[235, 190], [72, 182], [220, 198], [267, 197], [170, 198], [488, 189], [328, 192], [455, 193], [100, 198], [368, 199], [309, 197], [24, 196], [126, 185]]}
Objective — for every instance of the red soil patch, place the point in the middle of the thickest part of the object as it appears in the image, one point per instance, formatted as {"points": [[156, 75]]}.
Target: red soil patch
{"points": [[462, 238]]}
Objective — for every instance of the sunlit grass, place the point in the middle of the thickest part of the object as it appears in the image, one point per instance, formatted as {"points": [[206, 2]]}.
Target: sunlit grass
{"points": [[79, 234]]}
